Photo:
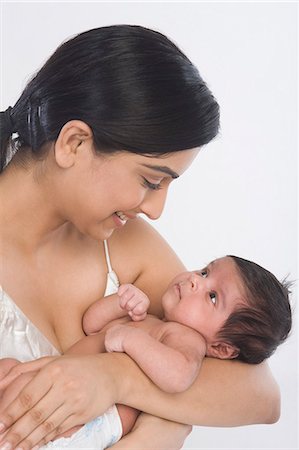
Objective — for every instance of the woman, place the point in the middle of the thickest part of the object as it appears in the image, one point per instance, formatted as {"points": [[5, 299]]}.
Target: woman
{"points": [[108, 122]]}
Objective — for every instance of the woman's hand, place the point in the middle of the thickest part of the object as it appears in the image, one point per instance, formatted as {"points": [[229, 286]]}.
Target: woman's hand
{"points": [[160, 433], [20, 368], [67, 391]]}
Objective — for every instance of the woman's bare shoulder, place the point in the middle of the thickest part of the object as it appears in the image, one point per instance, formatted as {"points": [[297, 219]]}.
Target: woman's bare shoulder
{"points": [[140, 247], [139, 232], [141, 242]]}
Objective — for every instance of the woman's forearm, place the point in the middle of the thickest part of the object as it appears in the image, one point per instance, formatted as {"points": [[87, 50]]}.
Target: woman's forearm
{"points": [[226, 393], [154, 433]]}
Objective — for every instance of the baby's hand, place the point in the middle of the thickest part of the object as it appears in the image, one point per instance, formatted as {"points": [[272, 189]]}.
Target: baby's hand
{"points": [[115, 337], [134, 301]]}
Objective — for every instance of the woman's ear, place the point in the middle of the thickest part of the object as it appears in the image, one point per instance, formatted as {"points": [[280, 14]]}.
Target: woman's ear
{"points": [[222, 350], [70, 140]]}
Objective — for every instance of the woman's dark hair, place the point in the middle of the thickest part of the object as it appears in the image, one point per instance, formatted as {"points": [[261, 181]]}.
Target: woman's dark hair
{"points": [[135, 89], [258, 329]]}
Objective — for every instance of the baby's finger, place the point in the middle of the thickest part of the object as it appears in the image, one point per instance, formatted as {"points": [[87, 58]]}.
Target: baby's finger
{"points": [[123, 288], [125, 298], [140, 308], [138, 317]]}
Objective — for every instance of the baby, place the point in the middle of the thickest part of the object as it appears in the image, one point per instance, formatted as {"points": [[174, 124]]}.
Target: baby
{"points": [[233, 308]]}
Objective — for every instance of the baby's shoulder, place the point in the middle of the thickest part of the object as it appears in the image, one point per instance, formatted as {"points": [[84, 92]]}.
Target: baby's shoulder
{"points": [[181, 334]]}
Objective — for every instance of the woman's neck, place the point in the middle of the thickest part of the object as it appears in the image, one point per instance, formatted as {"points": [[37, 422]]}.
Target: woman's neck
{"points": [[29, 216]]}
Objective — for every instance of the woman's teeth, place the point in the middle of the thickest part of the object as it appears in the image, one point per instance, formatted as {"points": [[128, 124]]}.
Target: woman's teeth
{"points": [[122, 216]]}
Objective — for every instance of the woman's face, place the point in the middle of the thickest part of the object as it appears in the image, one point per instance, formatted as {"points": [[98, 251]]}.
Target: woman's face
{"points": [[104, 191]]}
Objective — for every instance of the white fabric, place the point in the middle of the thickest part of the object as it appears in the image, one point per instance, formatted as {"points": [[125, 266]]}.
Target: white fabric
{"points": [[112, 283], [21, 339], [98, 434]]}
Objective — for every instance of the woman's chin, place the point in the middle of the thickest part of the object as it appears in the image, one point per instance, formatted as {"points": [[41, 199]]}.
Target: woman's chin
{"points": [[99, 232], [104, 234]]}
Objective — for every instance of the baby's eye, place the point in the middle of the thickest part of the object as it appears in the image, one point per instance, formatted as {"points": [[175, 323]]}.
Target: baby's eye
{"points": [[213, 297], [204, 273]]}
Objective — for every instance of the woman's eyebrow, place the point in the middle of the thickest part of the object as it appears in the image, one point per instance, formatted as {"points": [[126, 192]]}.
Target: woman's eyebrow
{"points": [[163, 169]]}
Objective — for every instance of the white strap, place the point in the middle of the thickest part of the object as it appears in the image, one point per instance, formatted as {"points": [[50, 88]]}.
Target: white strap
{"points": [[107, 256]]}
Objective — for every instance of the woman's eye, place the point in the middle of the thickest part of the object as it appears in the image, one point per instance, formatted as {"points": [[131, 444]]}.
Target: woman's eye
{"points": [[149, 185], [213, 297]]}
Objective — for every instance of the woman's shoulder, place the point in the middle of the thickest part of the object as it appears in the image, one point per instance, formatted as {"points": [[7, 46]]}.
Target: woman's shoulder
{"points": [[142, 256], [141, 238]]}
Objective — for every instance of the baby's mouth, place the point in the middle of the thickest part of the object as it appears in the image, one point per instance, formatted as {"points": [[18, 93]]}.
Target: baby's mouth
{"points": [[178, 290]]}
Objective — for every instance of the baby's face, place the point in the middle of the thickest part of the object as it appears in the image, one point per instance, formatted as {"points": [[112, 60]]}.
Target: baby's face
{"points": [[204, 299]]}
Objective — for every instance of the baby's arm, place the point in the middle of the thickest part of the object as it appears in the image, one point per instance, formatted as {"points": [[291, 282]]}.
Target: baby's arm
{"points": [[128, 300], [101, 313], [172, 362]]}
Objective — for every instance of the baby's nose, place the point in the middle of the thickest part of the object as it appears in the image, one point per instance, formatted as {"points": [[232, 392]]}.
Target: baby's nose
{"points": [[193, 281]]}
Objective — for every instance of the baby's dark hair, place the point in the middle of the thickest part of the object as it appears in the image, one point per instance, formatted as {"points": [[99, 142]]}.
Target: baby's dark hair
{"points": [[258, 329]]}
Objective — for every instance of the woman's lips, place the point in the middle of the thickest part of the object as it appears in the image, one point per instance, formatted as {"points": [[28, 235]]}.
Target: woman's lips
{"points": [[119, 222], [121, 219]]}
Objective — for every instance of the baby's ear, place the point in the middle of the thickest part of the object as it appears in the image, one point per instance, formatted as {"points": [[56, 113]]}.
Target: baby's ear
{"points": [[222, 350]]}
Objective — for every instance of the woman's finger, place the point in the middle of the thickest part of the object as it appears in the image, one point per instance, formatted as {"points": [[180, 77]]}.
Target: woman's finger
{"points": [[59, 424], [26, 400], [71, 383], [46, 431], [38, 420], [64, 430], [21, 368]]}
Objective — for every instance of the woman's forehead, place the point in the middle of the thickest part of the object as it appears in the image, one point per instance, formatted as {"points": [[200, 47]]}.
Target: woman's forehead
{"points": [[173, 164]]}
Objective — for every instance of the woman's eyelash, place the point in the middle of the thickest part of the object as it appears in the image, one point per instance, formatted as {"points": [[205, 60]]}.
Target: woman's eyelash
{"points": [[148, 184]]}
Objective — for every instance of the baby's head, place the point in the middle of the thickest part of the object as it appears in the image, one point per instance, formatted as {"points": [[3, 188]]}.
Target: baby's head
{"points": [[239, 307], [257, 328]]}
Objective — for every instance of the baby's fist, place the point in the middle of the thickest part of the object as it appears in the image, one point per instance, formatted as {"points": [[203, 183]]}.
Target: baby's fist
{"points": [[115, 337], [134, 301]]}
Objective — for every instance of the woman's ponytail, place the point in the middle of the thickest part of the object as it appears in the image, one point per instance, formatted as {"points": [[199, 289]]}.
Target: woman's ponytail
{"points": [[7, 128]]}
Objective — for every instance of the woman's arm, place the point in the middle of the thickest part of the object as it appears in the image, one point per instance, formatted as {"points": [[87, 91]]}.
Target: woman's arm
{"points": [[69, 391], [161, 433], [226, 393]]}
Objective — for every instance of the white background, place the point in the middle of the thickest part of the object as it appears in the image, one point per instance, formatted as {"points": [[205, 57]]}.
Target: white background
{"points": [[239, 197]]}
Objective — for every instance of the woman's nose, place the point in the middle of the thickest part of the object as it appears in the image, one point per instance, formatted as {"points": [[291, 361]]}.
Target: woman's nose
{"points": [[153, 203]]}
